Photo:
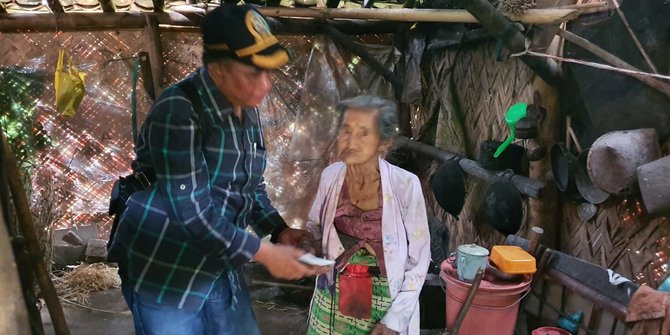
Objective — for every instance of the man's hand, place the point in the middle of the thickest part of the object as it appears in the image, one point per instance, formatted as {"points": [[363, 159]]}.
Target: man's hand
{"points": [[381, 329], [298, 238], [282, 261]]}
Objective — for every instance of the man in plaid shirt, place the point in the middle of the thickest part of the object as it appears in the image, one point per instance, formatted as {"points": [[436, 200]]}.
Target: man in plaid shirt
{"points": [[180, 243]]}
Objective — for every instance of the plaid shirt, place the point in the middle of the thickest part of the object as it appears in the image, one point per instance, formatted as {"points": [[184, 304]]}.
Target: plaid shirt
{"points": [[176, 238]]}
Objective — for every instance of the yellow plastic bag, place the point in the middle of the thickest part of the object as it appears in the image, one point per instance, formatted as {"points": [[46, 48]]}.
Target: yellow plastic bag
{"points": [[69, 84]]}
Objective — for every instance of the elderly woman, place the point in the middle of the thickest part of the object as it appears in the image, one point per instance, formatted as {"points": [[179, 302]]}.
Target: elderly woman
{"points": [[371, 219]]}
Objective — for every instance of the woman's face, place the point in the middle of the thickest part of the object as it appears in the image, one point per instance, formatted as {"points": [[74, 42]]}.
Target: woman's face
{"points": [[358, 141]]}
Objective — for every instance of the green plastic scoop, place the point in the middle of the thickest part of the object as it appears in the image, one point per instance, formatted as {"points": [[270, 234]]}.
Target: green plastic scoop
{"points": [[512, 117]]}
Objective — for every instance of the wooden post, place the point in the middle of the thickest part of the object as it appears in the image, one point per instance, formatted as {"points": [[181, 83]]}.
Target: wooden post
{"points": [[155, 53], [13, 313], [32, 243], [534, 237], [545, 212], [55, 6], [504, 30], [159, 6], [107, 6]]}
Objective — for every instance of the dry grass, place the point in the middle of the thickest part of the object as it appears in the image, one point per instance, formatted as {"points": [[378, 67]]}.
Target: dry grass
{"points": [[84, 279]]}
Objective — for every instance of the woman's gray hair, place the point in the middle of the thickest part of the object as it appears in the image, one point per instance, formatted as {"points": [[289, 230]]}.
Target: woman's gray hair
{"points": [[387, 113]]}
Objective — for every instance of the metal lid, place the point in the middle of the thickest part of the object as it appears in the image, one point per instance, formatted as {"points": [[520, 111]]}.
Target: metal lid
{"points": [[473, 249]]}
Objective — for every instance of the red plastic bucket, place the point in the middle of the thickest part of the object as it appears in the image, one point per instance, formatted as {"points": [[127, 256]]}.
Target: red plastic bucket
{"points": [[493, 311], [550, 331]]}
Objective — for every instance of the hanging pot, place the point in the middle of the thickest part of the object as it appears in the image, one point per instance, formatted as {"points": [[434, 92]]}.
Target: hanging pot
{"points": [[563, 170], [588, 191], [562, 166], [654, 180], [615, 156], [448, 186], [502, 207]]}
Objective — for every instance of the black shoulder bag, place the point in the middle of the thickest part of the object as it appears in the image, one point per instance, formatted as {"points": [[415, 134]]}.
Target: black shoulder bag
{"points": [[124, 187]]}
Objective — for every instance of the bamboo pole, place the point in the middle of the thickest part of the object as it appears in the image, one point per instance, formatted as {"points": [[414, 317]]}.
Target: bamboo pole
{"points": [[532, 16], [634, 37], [32, 243], [107, 6], [46, 22], [614, 60]]}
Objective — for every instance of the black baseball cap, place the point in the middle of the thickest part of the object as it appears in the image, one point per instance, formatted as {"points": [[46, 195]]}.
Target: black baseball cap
{"points": [[241, 33]]}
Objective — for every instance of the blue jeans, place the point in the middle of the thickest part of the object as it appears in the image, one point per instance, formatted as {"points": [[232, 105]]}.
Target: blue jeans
{"points": [[220, 315]]}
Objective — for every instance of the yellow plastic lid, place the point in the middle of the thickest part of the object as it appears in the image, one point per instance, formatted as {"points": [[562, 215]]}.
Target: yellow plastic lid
{"points": [[512, 259]]}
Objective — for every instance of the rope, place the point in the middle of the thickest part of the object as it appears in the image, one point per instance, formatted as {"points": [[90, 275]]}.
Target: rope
{"points": [[591, 64], [133, 97]]}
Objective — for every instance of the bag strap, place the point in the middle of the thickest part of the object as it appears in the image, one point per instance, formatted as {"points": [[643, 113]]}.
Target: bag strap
{"points": [[193, 96]]}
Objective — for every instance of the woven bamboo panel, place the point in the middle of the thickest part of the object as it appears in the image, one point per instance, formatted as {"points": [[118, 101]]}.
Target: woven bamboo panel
{"points": [[620, 238], [472, 92], [88, 151]]}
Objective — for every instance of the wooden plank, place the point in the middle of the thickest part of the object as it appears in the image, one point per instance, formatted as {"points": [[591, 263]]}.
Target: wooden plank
{"points": [[155, 50]]}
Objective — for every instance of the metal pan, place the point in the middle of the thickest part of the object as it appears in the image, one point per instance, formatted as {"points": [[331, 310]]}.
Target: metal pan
{"points": [[448, 186], [585, 186]]}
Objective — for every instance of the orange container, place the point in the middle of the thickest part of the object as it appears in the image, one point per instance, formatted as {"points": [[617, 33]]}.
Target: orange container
{"points": [[493, 311], [513, 259]]}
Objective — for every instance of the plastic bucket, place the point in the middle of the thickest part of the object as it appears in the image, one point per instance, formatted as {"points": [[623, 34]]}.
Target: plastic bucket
{"points": [[550, 331], [494, 309]]}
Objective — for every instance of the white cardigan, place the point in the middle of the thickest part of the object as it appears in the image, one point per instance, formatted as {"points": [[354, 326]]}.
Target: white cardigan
{"points": [[406, 241]]}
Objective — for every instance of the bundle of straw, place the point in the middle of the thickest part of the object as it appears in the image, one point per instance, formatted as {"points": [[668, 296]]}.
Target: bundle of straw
{"points": [[86, 278]]}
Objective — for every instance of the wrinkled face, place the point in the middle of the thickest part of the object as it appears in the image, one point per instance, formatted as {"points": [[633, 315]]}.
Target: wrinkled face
{"points": [[243, 85], [358, 141]]}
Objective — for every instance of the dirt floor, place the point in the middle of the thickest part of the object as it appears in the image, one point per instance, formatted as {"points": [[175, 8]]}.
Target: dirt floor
{"points": [[281, 308], [279, 312]]}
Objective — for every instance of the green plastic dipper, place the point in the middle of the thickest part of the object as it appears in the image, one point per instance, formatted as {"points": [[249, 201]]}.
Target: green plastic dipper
{"points": [[512, 117]]}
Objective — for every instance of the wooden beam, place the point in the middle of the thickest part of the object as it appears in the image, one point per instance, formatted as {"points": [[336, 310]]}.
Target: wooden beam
{"points": [[532, 16], [107, 6], [504, 30], [529, 187], [155, 50], [661, 86]]}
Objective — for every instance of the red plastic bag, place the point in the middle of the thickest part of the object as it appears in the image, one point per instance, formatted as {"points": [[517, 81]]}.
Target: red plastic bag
{"points": [[356, 292]]}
